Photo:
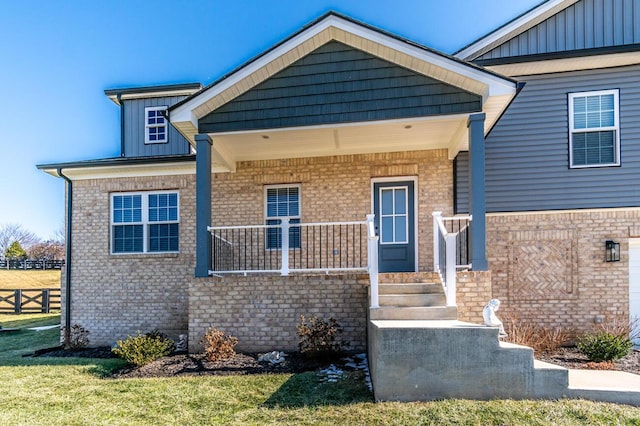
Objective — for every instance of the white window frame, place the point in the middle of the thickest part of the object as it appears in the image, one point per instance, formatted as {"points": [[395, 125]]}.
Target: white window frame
{"points": [[615, 128], [267, 217], [145, 222], [394, 215], [148, 126]]}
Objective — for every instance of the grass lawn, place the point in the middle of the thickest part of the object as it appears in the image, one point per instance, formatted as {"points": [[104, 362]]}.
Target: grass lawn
{"points": [[30, 278], [73, 391]]}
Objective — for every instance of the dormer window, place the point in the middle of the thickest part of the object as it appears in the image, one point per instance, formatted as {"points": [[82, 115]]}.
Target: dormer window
{"points": [[155, 130]]}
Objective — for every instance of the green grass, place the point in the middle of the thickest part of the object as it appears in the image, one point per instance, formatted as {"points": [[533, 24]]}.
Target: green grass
{"points": [[73, 391], [16, 279]]}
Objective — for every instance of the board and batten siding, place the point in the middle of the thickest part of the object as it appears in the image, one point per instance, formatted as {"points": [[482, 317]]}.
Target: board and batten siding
{"points": [[134, 127], [338, 84], [527, 151], [586, 24]]}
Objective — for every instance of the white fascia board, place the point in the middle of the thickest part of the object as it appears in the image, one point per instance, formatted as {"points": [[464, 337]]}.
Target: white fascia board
{"points": [[125, 171], [495, 84], [514, 28], [145, 95]]}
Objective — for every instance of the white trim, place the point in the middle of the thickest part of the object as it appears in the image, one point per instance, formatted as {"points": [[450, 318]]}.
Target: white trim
{"points": [[148, 127], [568, 211], [615, 128], [144, 222], [266, 215], [414, 179], [513, 29], [552, 66], [634, 285], [394, 215], [127, 171], [447, 117], [148, 94]]}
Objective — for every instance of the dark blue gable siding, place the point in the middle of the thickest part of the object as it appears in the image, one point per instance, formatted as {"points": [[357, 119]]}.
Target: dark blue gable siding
{"points": [[527, 152], [338, 84]]}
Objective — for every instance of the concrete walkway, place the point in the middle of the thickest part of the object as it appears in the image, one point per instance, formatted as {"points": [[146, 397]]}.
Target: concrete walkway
{"points": [[605, 385]]}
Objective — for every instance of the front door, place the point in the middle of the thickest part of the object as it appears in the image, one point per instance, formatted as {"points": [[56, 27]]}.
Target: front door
{"points": [[393, 205]]}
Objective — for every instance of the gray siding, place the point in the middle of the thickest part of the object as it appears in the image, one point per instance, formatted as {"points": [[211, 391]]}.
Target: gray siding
{"points": [[338, 84], [527, 152], [586, 24], [134, 145]]}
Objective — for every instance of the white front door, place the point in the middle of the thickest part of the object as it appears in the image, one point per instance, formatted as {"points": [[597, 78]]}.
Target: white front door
{"points": [[634, 283]]}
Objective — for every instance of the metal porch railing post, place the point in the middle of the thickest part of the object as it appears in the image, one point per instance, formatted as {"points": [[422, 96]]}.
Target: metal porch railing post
{"points": [[450, 269], [436, 241], [372, 256]]}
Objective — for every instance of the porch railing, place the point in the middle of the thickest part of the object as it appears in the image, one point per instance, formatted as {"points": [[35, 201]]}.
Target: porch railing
{"points": [[312, 247], [450, 250]]}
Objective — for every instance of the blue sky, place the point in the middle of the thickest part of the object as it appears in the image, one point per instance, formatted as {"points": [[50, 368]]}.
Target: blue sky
{"points": [[57, 58]]}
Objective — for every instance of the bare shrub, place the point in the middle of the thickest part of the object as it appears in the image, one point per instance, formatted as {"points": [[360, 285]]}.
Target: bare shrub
{"points": [[619, 325], [77, 337], [218, 346], [318, 337], [541, 339]]}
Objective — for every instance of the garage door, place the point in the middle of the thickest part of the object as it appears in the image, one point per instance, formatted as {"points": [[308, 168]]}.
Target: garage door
{"points": [[634, 282]]}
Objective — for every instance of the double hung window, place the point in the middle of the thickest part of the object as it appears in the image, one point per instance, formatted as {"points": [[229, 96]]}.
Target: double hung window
{"points": [[594, 129], [281, 202], [155, 125], [144, 222]]}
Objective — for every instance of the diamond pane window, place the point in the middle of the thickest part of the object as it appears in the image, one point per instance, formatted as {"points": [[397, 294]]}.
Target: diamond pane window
{"points": [[594, 129]]}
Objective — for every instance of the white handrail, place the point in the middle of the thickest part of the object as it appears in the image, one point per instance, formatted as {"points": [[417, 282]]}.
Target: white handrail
{"points": [[447, 271], [372, 256]]}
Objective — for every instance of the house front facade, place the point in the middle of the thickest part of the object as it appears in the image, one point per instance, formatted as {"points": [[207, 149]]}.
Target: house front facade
{"points": [[355, 149]]}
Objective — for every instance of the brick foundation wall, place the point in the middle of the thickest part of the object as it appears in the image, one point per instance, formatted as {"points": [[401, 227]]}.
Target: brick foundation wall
{"points": [[263, 311], [116, 295], [549, 267]]}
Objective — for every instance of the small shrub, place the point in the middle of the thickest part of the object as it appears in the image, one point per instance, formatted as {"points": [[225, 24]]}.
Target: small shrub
{"points": [[318, 338], [76, 338], [218, 346], [601, 346], [144, 348], [541, 339]]}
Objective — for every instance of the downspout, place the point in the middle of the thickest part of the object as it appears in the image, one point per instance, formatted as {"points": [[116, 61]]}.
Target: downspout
{"points": [[67, 302], [119, 98]]}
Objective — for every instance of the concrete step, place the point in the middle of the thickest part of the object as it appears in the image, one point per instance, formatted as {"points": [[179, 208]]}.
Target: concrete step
{"points": [[408, 277], [414, 313], [410, 288], [408, 300]]}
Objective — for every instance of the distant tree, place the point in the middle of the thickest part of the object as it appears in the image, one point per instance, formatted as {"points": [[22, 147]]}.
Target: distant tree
{"points": [[13, 232], [15, 251], [46, 250]]}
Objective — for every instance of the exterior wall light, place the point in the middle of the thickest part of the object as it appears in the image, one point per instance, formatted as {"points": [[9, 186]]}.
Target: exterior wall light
{"points": [[612, 251]]}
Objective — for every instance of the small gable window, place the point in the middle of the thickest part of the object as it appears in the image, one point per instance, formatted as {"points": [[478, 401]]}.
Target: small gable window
{"points": [[282, 201], [155, 129], [144, 222], [594, 129]]}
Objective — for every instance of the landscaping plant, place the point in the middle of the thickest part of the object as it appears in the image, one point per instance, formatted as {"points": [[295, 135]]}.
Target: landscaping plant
{"points": [[218, 346], [541, 339], [144, 348], [76, 338], [602, 346], [319, 338]]}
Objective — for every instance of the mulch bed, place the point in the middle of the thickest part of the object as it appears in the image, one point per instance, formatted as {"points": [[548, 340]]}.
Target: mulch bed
{"points": [[572, 358], [196, 365], [247, 363]]}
